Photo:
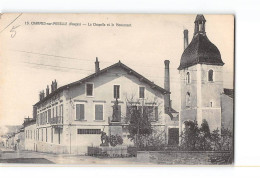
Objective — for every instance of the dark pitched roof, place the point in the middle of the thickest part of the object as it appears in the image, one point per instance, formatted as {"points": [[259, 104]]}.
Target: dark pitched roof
{"points": [[200, 51], [200, 17], [119, 64], [229, 92]]}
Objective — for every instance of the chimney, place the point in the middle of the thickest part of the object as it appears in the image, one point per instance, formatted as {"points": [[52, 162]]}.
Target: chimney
{"points": [[52, 86], [55, 85], [47, 90], [167, 99], [97, 65], [43, 94], [34, 112], [186, 38]]}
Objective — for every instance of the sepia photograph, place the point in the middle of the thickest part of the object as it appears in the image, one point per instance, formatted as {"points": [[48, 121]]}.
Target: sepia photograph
{"points": [[117, 89]]}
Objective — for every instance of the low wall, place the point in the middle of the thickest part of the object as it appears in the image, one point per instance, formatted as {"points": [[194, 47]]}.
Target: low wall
{"points": [[185, 157], [117, 151], [52, 148]]}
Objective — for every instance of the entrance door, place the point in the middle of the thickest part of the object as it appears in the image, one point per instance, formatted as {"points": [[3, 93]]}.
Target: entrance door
{"points": [[173, 136]]}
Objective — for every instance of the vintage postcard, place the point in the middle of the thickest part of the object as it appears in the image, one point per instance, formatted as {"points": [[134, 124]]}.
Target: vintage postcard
{"points": [[117, 89]]}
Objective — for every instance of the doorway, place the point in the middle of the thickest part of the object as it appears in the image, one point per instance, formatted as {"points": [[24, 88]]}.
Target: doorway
{"points": [[173, 136]]}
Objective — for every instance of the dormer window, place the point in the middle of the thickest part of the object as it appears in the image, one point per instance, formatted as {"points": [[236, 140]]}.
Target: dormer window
{"points": [[210, 75], [89, 89], [188, 78]]}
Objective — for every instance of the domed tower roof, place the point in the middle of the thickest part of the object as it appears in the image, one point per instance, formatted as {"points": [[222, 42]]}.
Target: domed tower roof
{"points": [[200, 50]]}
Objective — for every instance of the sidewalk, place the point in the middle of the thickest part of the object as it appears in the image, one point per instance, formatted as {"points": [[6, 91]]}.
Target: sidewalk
{"points": [[64, 159], [5, 150]]}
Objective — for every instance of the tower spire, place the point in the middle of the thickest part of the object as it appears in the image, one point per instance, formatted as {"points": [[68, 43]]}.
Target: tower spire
{"points": [[199, 24]]}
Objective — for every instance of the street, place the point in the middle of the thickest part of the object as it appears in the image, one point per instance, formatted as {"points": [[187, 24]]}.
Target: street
{"points": [[31, 157]]}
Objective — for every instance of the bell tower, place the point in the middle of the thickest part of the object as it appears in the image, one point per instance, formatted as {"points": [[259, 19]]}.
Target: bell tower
{"points": [[200, 22], [201, 79]]}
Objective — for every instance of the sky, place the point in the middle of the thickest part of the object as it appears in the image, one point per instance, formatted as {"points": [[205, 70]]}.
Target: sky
{"points": [[32, 56]]}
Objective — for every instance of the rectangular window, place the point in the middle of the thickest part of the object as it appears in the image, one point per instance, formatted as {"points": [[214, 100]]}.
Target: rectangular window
{"points": [[38, 134], [89, 131], [51, 135], [116, 91], [45, 117], [56, 115], [46, 135], [61, 113], [40, 118], [59, 136], [80, 112], [89, 89], [151, 112], [141, 92], [42, 134], [58, 111], [49, 115], [99, 112], [58, 131]]}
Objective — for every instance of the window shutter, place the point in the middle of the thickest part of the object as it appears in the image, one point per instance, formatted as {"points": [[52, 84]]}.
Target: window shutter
{"points": [[98, 112], [156, 113], [82, 112], [61, 110], [77, 112], [118, 92]]}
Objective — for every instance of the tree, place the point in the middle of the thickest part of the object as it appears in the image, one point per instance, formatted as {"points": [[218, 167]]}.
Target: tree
{"points": [[190, 136], [194, 138], [215, 139], [139, 117], [204, 136]]}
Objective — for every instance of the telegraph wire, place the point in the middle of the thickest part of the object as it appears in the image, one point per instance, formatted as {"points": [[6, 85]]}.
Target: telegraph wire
{"points": [[70, 68], [86, 60]]}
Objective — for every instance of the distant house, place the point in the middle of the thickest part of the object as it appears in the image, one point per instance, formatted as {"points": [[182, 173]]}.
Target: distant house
{"points": [[71, 118], [30, 134], [227, 109], [19, 139]]}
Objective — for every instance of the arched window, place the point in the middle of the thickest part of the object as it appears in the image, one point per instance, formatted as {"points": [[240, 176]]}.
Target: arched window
{"points": [[188, 99], [188, 77], [210, 75]]}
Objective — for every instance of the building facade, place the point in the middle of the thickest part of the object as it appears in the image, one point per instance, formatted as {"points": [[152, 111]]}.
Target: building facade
{"points": [[30, 142], [19, 140], [72, 117]]}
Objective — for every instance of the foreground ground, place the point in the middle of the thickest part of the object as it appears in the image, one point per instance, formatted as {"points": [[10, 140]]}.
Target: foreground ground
{"points": [[30, 157]]}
